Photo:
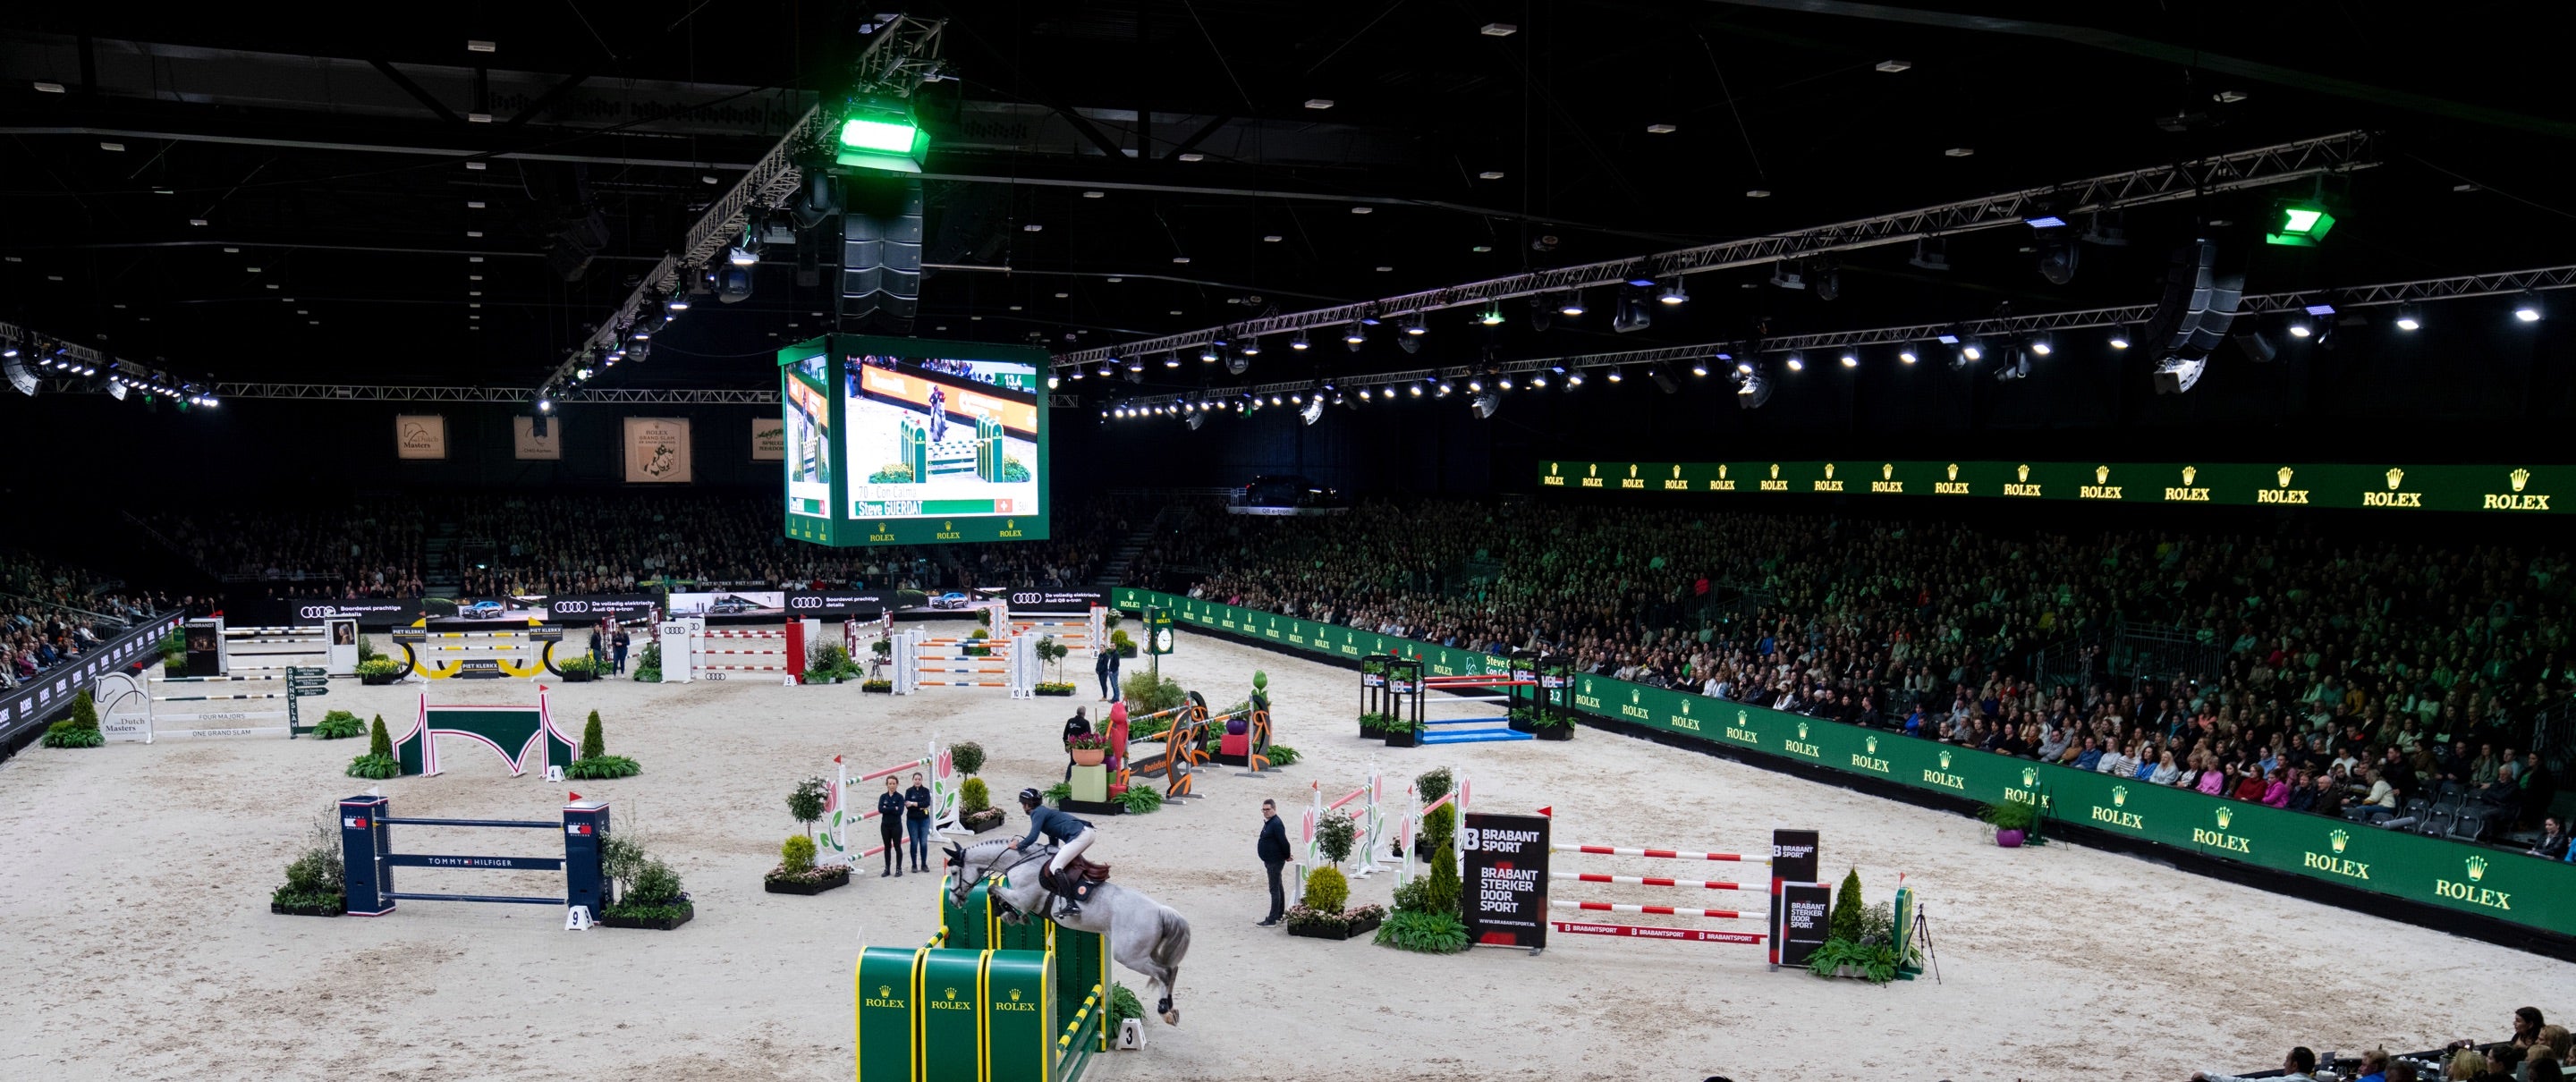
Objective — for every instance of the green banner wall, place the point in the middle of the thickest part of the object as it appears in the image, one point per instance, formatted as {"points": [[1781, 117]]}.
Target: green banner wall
{"points": [[2383, 487], [2455, 875]]}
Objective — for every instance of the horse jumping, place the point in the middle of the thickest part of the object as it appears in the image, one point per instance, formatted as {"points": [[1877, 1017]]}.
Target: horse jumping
{"points": [[1144, 935]]}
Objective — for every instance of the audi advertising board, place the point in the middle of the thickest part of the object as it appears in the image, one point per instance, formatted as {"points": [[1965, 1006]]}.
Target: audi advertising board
{"points": [[1051, 600], [743, 604], [370, 612], [834, 604], [592, 608]]}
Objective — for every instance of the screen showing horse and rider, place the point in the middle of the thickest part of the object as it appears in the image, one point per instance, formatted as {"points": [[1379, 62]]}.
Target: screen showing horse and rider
{"points": [[941, 437]]}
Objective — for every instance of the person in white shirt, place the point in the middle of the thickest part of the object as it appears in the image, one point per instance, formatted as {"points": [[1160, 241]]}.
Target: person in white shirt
{"points": [[2113, 762]]}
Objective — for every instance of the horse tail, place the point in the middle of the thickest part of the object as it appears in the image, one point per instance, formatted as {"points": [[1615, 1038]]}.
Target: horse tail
{"points": [[1171, 944]]}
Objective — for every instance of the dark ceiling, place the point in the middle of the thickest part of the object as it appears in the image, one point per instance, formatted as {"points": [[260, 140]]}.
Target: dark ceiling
{"points": [[332, 162]]}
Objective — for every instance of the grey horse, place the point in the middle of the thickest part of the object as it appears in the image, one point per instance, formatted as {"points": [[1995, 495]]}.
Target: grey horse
{"points": [[1144, 935]]}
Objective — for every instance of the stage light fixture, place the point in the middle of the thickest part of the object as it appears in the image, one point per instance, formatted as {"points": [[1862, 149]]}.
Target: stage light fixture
{"points": [[1850, 359], [2121, 337], [1699, 367], [1673, 293], [1252, 347], [1298, 343], [2300, 327], [2039, 344], [1173, 360], [1135, 364], [1355, 337], [1504, 382], [879, 132], [1207, 354], [1492, 316], [1538, 381], [2408, 318], [1797, 363], [1575, 380], [1614, 374], [1906, 354], [1972, 350], [1752, 390], [1570, 304], [2527, 307], [1414, 388], [1413, 325], [2299, 223], [1931, 254], [1109, 368], [1445, 388]]}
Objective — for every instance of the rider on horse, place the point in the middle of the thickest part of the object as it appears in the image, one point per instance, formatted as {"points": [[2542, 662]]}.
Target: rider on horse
{"points": [[1070, 835]]}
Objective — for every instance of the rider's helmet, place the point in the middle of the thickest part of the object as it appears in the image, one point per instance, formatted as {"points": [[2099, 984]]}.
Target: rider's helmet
{"points": [[1030, 796]]}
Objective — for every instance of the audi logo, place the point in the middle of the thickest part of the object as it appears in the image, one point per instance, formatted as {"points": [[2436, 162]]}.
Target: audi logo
{"points": [[804, 602], [317, 612], [1028, 599], [566, 608]]}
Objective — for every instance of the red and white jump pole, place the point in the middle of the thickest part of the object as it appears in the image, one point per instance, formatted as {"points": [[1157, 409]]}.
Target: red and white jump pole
{"points": [[1660, 854]]}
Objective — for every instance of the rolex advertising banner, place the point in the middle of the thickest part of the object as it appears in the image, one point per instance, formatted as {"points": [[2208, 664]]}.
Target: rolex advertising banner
{"points": [[1506, 882], [2511, 489], [535, 448], [2434, 871], [657, 450], [768, 439], [420, 435]]}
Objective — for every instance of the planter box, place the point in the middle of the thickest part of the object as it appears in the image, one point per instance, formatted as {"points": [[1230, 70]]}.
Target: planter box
{"points": [[1351, 930], [995, 824], [886, 690], [1523, 725], [1086, 807], [1402, 738], [1089, 756], [577, 677], [1555, 732], [790, 886], [303, 910], [658, 924], [378, 681], [1064, 692]]}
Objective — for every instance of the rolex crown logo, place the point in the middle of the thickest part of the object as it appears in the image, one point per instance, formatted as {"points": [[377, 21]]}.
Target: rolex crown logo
{"points": [[885, 991], [1743, 717], [1954, 471], [2189, 472], [2029, 774], [1870, 745], [2119, 796], [1686, 706], [1677, 471], [2101, 475], [2336, 839], [2396, 477], [2225, 814], [952, 993], [1015, 995], [1632, 469], [1632, 694], [2285, 475], [2519, 479], [1596, 469], [1945, 760], [1887, 471], [1551, 469], [1721, 471], [1829, 471], [2022, 472], [2477, 867], [1802, 730], [1775, 471]]}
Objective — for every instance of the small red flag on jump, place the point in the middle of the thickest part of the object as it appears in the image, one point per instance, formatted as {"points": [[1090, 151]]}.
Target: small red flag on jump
{"points": [[575, 796], [1549, 811]]}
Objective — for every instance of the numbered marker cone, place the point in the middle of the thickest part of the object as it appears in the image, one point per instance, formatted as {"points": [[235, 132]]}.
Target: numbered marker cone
{"points": [[577, 919]]}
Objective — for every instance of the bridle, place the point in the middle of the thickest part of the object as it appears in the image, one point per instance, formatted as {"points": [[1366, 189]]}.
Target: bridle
{"points": [[999, 870]]}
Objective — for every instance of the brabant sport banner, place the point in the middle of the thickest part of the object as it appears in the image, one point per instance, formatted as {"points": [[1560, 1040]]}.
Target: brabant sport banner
{"points": [[2455, 875], [2379, 487]]}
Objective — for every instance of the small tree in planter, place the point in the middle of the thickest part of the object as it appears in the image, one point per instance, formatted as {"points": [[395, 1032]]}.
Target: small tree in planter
{"points": [[1859, 940], [805, 802], [977, 812], [379, 762], [1053, 654], [967, 756], [79, 730], [1848, 909], [796, 872], [314, 884], [649, 894], [595, 761]]}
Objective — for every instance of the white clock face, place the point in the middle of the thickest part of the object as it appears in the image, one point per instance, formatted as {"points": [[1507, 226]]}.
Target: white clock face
{"points": [[1163, 640]]}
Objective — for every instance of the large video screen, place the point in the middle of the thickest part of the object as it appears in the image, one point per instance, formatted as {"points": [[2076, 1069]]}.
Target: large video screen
{"points": [[907, 441]]}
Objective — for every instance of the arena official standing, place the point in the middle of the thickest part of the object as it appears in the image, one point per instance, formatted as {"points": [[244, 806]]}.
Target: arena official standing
{"points": [[1106, 665], [890, 828], [1274, 856]]}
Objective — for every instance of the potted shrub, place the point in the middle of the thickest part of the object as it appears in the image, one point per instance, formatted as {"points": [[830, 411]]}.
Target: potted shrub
{"points": [[877, 687], [1860, 941], [648, 665], [797, 873], [1403, 732], [1373, 726], [1052, 653], [975, 802], [967, 756], [1119, 641], [580, 670], [1319, 912], [1523, 719], [1138, 799], [2012, 821], [1088, 749], [647, 891], [1046, 687], [1426, 909], [339, 725], [383, 670], [1439, 824], [978, 644], [79, 730], [314, 883], [594, 760], [1553, 725], [379, 762]]}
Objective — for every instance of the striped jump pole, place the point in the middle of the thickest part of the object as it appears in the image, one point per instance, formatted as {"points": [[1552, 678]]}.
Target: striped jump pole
{"points": [[1653, 881], [1664, 910], [1632, 931], [1659, 854], [217, 698]]}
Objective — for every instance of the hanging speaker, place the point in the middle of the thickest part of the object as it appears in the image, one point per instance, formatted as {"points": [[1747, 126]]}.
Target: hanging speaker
{"points": [[881, 233], [20, 377], [2204, 285]]}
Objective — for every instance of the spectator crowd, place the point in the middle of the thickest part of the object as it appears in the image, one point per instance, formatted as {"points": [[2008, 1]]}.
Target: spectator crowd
{"points": [[51, 614], [2314, 672]]}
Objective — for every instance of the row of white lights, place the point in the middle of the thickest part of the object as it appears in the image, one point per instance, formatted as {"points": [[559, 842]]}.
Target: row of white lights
{"points": [[2409, 318]]}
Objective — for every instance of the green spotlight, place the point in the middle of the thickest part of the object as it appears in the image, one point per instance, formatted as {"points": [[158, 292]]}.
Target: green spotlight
{"points": [[880, 133], [2299, 224]]}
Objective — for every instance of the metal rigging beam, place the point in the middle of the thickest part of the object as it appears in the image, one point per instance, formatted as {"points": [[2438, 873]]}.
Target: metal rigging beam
{"points": [[2227, 172]]}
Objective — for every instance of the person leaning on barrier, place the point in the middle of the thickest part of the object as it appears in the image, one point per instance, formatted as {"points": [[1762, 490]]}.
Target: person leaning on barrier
{"points": [[2299, 1064]]}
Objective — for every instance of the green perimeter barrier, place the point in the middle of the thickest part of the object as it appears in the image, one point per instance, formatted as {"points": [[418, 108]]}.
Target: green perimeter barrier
{"points": [[2539, 894]]}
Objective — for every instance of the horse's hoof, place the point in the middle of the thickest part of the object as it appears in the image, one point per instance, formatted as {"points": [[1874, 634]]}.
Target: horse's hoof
{"points": [[1172, 1017]]}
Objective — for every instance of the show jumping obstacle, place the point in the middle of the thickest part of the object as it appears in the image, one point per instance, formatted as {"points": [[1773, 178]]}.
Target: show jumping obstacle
{"points": [[691, 651], [982, 1001], [1087, 634], [1184, 745], [936, 767], [1771, 887], [525, 737], [1369, 817], [130, 711], [1536, 686], [497, 654], [921, 661], [368, 859]]}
